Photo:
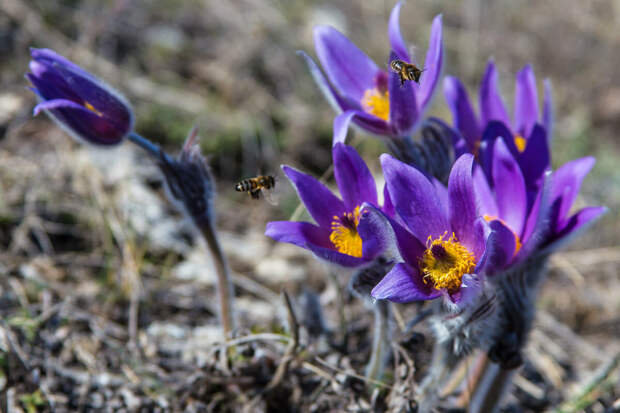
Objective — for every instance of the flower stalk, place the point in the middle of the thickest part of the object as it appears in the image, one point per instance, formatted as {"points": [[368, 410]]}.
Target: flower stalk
{"points": [[190, 184], [380, 341]]}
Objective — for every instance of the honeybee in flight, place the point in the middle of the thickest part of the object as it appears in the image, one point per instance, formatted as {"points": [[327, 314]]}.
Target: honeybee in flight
{"points": [[255, 186], [406, 71]]}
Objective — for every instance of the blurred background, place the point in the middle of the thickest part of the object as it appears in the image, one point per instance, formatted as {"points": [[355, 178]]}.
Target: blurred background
{"points": [[96, 223]]}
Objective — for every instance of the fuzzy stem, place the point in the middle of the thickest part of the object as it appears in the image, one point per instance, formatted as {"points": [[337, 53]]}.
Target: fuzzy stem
{"points": [[153, 149], [224, 283], [380, 342]]}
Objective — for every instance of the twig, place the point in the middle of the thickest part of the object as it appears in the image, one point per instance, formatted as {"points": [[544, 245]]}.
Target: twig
{"points": [[293, 326], [352, 374], [255, 337]]}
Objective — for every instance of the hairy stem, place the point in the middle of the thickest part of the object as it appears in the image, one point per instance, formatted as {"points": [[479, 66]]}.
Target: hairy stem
{"points": [[224, 283], [380, 342]]}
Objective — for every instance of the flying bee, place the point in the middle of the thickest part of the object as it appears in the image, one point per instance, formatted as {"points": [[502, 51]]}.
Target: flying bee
{"points": [[406, 71], [255, 186]]}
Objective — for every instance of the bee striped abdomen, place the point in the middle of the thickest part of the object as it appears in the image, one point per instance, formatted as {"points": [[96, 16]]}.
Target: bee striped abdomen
{"points": [[254, 186]]}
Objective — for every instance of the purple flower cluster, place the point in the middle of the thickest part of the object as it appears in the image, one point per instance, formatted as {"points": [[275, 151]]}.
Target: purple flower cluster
{"points": [[502, 205]]}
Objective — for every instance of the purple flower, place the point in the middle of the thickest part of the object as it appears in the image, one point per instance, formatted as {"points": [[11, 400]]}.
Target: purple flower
{"points": [[83, 105], [527, 136], [341, 235], [367, 94], [526, 228], [442, 240]]}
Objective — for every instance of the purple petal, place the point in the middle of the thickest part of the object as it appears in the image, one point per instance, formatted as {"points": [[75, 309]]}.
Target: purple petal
{"points": [[471, 287], [311, 237], [337, 102], [548, 110], [56, 104], [491, 104], [535, 159], [575, 226], [526, 101], [509, 187], [355, 182], [396, 39], [486, 200], [415, 199], [432, 64], [409, 248], [81, 123], [538, 226], [320, 202], [481, 231], [442, 194], [347, 67], [492, 132], [463, 211], [463, 115], [404, 284], [500, 247], [49, 57], [335, 257], [364, 120], [567, 181], [388, 206], [403, 106], [298, 233], [376, 232]]}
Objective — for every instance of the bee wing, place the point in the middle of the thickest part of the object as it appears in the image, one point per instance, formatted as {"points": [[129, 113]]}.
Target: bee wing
{"points": [[271, 196]]}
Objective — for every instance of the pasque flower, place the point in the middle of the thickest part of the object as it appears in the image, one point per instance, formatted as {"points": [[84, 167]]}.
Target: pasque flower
{"points": [[526, 136], [367, 94], [443, 242], [535, 227], [83, 105], [341, 235]]}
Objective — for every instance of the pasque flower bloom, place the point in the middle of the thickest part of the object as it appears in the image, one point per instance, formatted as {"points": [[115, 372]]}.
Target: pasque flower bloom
{"points": [[443, 242], [83, 105], [341, 235], [370, 96], [527, 136], [535, 227]]}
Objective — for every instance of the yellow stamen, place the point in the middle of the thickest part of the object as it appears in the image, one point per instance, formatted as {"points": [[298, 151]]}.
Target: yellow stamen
{"points": [[344, 234], [90, 107], [489, 218], [377, 103], [520, 142], [445, 262]]}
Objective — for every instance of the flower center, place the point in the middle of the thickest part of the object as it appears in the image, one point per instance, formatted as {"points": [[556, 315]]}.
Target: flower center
{"points": [[445, 262], [376, 102], [489, 218], [90, 107], [344, 234], [520, 142]]}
